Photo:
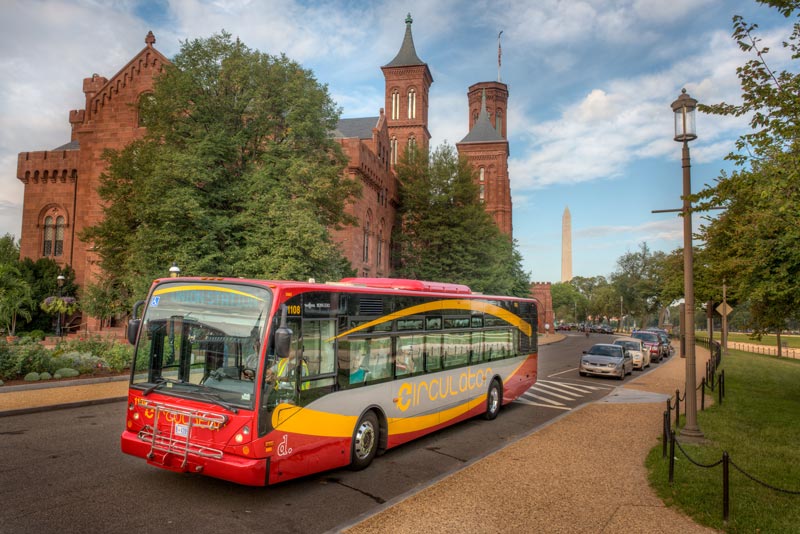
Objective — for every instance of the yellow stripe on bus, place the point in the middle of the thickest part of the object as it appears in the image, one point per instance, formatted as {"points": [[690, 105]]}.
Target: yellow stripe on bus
{"points": [[308, 422], [457, 304], [204, 288]]}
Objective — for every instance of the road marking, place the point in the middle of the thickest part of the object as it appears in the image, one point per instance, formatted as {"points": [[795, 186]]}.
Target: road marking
{"points": [[529, 403], [537, 397], [579, 387], [566, 396], [562, 372]]}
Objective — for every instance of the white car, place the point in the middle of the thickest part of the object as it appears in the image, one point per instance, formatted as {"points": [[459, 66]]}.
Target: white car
{"points": [[605, 359], [641, 356]]}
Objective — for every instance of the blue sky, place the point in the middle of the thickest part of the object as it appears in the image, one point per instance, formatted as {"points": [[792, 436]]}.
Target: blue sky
{"points": [[590, 86]]}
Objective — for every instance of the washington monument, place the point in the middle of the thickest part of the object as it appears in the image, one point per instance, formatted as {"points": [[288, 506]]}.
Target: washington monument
{"points": [[566, 246]]}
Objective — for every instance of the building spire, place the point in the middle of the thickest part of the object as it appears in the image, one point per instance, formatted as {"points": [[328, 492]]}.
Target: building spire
{"points": [[407, 54]]}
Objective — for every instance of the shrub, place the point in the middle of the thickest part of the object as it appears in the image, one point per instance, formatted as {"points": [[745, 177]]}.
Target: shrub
{"points": [[32, 357], [35, 335]]}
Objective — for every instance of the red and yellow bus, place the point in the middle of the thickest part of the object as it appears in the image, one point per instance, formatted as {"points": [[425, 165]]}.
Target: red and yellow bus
{"points": [[258, 382]]}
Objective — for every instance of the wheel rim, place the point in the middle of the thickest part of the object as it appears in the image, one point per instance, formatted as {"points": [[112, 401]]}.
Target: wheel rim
{"points": [[494, 399], [365, 440]]}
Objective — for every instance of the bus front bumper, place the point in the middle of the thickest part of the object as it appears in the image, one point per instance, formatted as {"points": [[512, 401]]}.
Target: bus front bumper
{"points": [[233, 468]]}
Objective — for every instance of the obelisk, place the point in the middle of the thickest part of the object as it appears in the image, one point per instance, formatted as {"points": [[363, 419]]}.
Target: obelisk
{"points": [[566, 246]]}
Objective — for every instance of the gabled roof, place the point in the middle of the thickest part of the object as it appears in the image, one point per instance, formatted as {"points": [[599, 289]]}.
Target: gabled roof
{"points": [[483, 131], [407, 54], [72, 145], [359, 127]]}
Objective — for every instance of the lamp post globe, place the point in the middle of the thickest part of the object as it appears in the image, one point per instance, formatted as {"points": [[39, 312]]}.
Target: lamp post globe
{"points": [[684, 110], [174, 271]]}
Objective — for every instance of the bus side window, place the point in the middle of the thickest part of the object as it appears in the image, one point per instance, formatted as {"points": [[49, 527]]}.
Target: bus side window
{"points": [[433, 352], [408, 359], [380, 361]]}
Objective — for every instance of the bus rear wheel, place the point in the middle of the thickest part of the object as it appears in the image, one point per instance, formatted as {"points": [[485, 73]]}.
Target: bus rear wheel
{"points": [[365, 441], [494, 400]]}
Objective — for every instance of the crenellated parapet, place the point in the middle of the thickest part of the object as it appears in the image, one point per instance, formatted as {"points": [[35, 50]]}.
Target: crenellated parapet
{"points": [[48, 166]]}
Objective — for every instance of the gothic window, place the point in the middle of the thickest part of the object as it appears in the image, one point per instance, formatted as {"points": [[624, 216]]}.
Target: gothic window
{"points": [[380, 247], [146, 101], [393, 144], [412, 143], [412, 104], [395, 104], [482, 179], [365, 258], [49, 234], [58, 249]]}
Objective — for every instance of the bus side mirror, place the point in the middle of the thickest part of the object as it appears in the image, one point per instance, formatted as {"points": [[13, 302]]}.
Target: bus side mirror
{"points": [[133, 329], [283, 341], [135, 322]]}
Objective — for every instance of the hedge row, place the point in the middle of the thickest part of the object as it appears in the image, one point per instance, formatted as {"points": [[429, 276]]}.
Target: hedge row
{"points": [[86, 356]]}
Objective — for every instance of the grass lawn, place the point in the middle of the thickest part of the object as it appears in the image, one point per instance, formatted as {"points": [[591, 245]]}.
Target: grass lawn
{"points": [[758, 425], [770, 339]]}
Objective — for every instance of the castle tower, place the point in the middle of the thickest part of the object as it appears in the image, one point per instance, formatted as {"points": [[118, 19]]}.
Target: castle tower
{"points": [[408, 81], [486, 149], [566, 246]]}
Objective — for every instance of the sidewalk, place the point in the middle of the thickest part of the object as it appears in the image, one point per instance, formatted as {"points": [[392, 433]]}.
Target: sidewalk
{"points": [[582, 472]]}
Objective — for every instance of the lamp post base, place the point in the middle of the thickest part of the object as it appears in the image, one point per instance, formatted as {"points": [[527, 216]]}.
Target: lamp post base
{"points": [[691, 435]]}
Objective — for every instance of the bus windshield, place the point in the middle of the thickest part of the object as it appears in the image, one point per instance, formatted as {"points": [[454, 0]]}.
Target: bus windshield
{"points": [[202, 341]]}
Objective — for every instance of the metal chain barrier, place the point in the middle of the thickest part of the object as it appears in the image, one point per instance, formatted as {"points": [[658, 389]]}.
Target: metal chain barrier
{"points": [[670, 436], [766, 485]]}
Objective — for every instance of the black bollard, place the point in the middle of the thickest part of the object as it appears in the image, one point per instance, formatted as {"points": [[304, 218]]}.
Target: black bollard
{"points": [[725, 494]]}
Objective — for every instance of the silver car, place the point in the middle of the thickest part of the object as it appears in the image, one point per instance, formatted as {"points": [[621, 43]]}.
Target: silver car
{"points": [[639, 354], [606, 359]]}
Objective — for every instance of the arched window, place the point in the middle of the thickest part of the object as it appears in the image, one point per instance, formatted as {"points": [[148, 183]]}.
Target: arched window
{"points": [[146, 101], [482, 178], [393, 145], [49, 234], [380, 247], [412, 143], [58, 249], [365, 259], [395, 104], [412, 104]]}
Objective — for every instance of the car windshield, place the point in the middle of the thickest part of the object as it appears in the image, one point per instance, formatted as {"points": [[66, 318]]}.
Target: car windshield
{"points": [[629, 345], [202, 339], [650, 337], [606, 350]]}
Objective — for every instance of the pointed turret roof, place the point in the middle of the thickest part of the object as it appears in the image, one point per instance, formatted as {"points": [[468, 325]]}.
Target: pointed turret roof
{"points": [[407, 54], [483, 131]]}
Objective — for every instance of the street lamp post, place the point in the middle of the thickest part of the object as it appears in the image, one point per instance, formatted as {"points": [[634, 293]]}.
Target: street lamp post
{"points": [[60, 281], [620, 313], [684, 110]]}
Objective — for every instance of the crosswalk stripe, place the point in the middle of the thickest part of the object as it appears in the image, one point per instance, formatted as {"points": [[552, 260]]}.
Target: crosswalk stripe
{"points": [[545, 388], [543, 399], [582, 389], [547, 391], [529, 403]]}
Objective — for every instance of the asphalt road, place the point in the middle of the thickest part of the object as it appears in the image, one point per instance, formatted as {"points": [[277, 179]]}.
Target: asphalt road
{"points": [[62, 471]]}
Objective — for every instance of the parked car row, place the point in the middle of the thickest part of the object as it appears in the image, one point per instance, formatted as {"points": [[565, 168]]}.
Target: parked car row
{"points": [[620, 358], [581, 327]]}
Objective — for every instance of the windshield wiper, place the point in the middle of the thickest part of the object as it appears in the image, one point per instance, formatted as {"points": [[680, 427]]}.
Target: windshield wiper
{"points": [[160, 382], [216, 398]]}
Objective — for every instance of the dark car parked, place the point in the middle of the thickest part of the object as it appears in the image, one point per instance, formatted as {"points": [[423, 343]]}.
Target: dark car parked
{"points": [[652, 342]]}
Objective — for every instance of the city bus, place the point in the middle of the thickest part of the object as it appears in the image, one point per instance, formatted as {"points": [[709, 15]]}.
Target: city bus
{"points": [[258, 382]]}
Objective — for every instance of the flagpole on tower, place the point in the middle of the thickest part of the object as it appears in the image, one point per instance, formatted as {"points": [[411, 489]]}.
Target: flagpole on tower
{"points": [[499, 54]]}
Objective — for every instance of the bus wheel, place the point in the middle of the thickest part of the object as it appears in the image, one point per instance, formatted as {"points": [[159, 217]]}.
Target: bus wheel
{"points": [[493, 401], [365, 441]]}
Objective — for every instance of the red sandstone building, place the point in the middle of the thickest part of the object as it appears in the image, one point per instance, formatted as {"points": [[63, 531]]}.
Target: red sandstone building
{"points": [[61, 199]]}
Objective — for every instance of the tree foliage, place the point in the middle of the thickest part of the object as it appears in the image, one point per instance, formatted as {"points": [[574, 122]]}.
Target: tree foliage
{"points": [[236, 176], [753, 243], [445, 232]]}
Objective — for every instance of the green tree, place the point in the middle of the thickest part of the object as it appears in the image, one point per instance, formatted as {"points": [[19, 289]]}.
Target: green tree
{"points": [[42, 276], [9, 250], [567, 300], [102, 301], [445, 233], [237, 175], [15, 298], [638, 280], [753, 243]]}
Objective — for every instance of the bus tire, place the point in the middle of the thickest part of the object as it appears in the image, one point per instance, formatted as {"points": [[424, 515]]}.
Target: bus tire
{"points": [[494, 399], [365, 441]]}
